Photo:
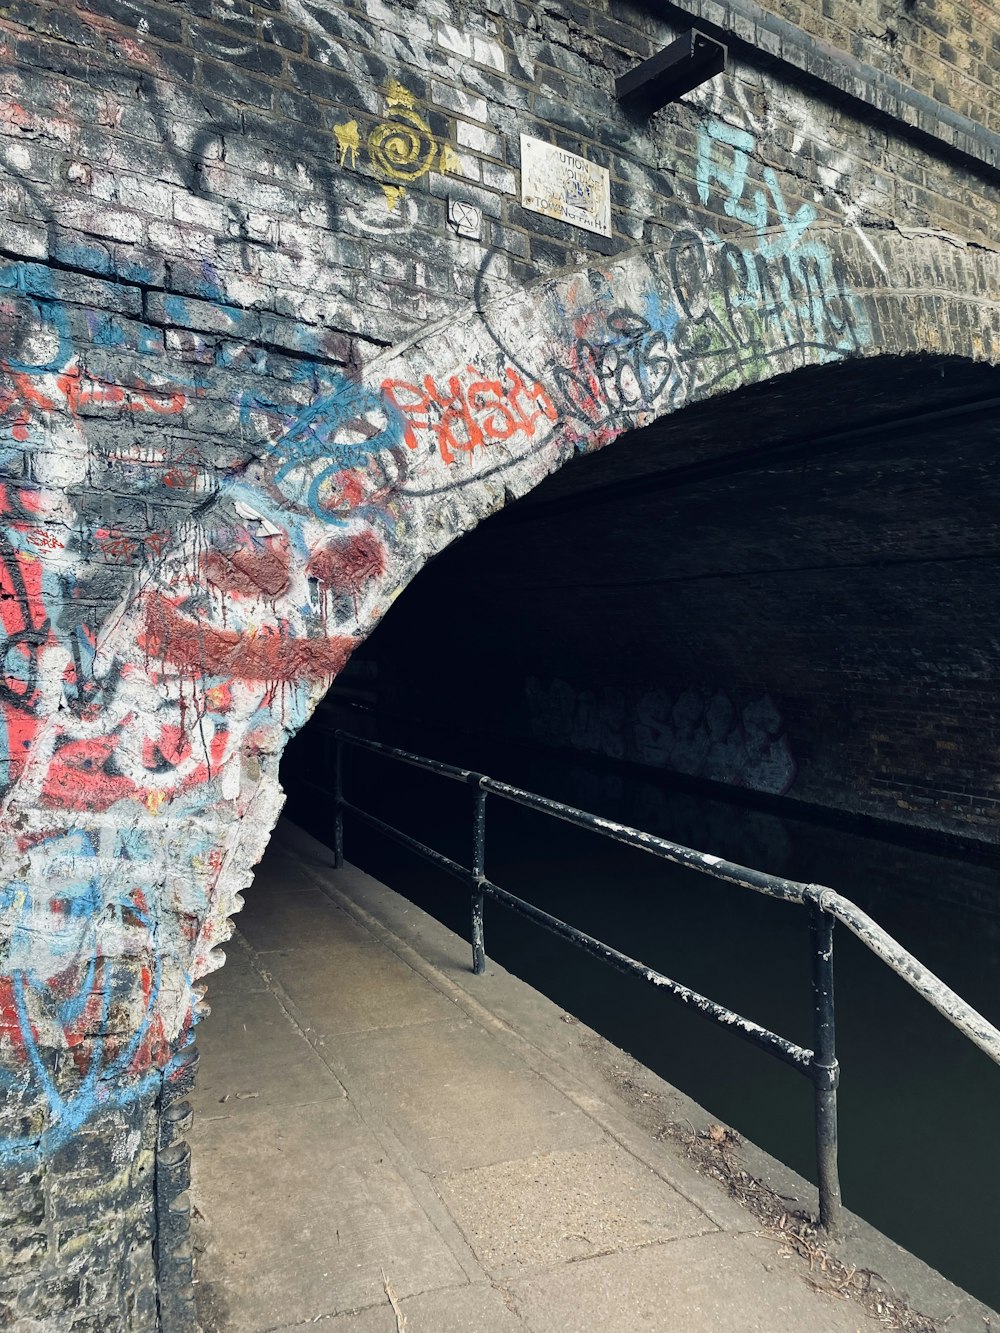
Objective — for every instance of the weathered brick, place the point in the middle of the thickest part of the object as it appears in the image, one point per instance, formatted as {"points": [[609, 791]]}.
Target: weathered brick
{"points": [[238, 48], [229, 81], [157, 20], [216, 218]]}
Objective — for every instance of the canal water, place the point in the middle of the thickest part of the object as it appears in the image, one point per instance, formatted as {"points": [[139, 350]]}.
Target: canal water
{"points": [[919, 1141]]}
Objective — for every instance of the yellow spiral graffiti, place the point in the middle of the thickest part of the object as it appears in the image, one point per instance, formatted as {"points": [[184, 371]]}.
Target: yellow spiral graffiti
{"points": [[402, 148]]}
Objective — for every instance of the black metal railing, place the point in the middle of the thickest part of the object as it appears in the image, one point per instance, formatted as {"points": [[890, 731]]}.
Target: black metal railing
{"points": [[825, 906]]}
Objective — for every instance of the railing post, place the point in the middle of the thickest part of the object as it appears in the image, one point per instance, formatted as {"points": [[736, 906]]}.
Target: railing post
{"points": [[338, 803], [478, 875], [825, 1071]]}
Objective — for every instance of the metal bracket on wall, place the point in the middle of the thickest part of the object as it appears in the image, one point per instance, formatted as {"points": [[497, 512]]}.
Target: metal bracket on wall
{"points": [[763, 40], [679, 67]]}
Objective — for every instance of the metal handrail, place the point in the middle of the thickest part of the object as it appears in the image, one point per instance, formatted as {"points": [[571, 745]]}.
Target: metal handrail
{"points": [[826, 907]]}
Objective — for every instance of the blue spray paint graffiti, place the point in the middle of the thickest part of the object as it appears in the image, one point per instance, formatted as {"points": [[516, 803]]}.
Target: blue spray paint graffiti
{"points": [[67, 977], [784, 272]]}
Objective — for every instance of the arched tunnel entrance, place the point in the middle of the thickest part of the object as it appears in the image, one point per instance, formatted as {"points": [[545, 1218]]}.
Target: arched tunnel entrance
{"points": [[787, 590], [765, 628]]}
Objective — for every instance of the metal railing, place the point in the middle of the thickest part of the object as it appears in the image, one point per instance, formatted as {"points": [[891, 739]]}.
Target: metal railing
{"points": [[825, 907]]}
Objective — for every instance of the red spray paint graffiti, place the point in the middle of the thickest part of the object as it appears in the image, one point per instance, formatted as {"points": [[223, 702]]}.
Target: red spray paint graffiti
{"points": [[466, 416], [199, 649]]}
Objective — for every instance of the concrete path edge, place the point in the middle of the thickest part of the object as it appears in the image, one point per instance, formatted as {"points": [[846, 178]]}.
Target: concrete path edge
{"points": [[392, 918]]}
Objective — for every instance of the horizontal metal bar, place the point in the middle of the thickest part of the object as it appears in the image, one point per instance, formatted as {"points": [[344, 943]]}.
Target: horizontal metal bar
{"points": [[979, 1030], [688, 61], [415, 760], [796, 1056], [771, 885], [415, 845], [961, 1015]]}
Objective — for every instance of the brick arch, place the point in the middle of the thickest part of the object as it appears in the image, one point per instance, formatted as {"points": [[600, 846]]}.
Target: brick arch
{"points": [[490, 406], [133, 822]]}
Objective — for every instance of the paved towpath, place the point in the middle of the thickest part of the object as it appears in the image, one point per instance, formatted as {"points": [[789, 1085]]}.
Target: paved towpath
{"points": [[383, 1142]]}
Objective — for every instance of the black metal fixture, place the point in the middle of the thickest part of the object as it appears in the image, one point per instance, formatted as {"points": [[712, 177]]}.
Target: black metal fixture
{"points": [[825, 907], [679, 67]]}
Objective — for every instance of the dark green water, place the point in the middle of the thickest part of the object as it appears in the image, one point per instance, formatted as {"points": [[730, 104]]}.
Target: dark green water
{"points": [[919, 1151]]}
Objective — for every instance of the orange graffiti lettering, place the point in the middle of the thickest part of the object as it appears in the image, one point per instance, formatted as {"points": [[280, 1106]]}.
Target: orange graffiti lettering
{"points": [[470, 412]]}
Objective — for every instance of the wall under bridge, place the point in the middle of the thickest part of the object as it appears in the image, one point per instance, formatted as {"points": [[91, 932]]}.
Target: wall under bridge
{"points": [[280, 323], [787, 590]]}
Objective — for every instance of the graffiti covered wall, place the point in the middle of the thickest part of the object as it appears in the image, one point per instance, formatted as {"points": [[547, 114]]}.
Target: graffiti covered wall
{"points": [[699, 732], [253, 374]]}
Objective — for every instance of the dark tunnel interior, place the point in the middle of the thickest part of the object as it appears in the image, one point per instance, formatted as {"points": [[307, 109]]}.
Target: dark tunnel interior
{"points": [[767, 628], [790, 590]]}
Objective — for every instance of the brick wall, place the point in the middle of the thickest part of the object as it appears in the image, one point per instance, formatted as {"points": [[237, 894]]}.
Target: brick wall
{"points": [[946, 51], [255, 369]]}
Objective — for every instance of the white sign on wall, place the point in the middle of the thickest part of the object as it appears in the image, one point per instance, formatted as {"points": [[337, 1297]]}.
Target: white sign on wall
{"points": [[564, 186]]}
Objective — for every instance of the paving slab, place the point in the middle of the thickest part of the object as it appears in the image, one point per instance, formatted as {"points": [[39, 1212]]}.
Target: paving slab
{"points": [[457, 1097], [303, 1213], [254, 1058], [285, 919], [238, 977], [473, 1309], [279, 871], [565, 1206], [356, 989], [706, 1284]]}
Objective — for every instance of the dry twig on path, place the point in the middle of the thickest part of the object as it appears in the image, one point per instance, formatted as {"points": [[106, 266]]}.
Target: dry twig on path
{"points": [[715, 1150], [394, 1302]]}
